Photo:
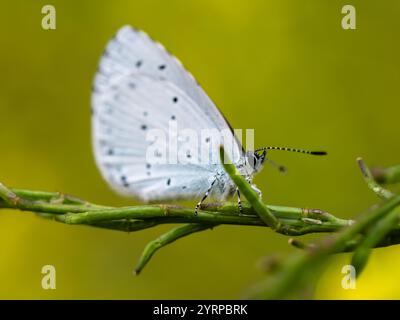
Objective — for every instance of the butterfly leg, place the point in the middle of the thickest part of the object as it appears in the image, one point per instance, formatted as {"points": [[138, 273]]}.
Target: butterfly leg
{"points": [[253, 186], [196, 209], [239, 201], [238, 195]]}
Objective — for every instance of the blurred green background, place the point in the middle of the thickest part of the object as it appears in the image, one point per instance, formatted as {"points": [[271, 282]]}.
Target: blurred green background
{"points": [[285, 68]]}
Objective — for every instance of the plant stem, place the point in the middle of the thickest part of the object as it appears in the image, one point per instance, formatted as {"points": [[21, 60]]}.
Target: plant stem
{"points": [[167, 238], [371, 183], [58, 207], [290, 274], [372, 238], [245, 188]]}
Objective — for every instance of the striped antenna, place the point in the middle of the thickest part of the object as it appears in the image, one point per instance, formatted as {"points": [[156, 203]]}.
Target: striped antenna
{"points": [[316, 153]]}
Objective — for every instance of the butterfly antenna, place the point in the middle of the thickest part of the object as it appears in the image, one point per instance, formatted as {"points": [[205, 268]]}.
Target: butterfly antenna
{"points": [[315, 153]]}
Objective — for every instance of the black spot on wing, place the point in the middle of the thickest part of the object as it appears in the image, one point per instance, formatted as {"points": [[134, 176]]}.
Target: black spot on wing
{"points": [[132, 85], [124, 181]]}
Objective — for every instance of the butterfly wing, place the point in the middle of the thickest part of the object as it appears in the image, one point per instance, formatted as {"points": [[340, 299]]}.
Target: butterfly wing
{"points": [[138, 90], [133, 51]]}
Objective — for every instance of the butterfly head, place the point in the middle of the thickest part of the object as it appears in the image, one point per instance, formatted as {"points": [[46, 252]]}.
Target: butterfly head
{"points": [[255, 159]]}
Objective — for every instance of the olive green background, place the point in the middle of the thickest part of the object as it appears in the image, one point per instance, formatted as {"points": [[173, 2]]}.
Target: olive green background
{"points": [[285, 68]]}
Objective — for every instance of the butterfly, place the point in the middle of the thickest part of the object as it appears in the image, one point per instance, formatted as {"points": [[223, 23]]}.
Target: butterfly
{"points": [[139, 90]]}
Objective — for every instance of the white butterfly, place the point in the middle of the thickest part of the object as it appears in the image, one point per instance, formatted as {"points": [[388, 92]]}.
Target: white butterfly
{"points": [[140, 87]]}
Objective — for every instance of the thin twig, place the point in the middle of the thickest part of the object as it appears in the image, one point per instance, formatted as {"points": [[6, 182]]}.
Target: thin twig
{"points": [[372, 184], [290, 276], [369, 230], [128, 218], [167, 238], [374, 236]]}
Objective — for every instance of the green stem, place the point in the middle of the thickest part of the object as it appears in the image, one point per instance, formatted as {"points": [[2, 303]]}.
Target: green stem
{"points": [[71, 210], [167, 238], [375, 235], [371, 182], [244, 187], [290, 274], [263, 211], [58, 207]]}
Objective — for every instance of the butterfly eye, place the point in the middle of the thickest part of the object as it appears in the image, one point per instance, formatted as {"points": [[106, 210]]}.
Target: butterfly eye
{"points": [[260, 155]]}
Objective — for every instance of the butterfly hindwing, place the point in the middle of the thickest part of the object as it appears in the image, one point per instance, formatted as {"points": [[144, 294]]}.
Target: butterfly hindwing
{"points": [[122, 121]]}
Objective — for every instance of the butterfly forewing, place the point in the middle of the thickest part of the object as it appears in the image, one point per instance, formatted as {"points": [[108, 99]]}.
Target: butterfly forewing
{"points": [[132, 51]]}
